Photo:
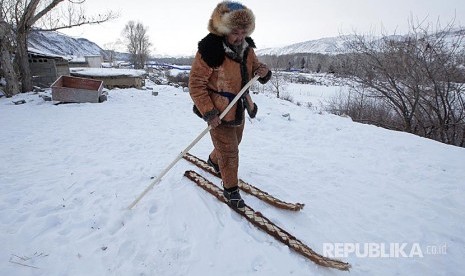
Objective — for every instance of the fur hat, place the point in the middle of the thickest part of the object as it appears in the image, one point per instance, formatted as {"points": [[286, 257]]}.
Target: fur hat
{"points": [[230, 15]]}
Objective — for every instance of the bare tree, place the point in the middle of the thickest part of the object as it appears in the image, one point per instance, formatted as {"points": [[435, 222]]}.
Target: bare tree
{"points": [[416, 82], [6, 62], [23, 15], [138, 43], [277, 82], [111, 48], [302, 63]]}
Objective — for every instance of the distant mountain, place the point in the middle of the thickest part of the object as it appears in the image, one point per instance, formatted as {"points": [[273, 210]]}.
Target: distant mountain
{"points": [[54, 43], [329, 45], [58, 44], [338, 45]]}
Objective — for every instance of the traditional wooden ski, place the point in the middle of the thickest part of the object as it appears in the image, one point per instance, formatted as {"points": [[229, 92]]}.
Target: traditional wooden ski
{"points": [[246, 187], [260, 221]]}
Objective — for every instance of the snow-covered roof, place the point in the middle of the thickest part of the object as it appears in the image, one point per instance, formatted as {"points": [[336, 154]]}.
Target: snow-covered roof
{"points": [[107, 72], [34, 51], [78, 59]]}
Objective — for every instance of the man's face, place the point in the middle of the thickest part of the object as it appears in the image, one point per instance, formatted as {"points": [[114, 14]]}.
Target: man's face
{"points": [[236, 37]]}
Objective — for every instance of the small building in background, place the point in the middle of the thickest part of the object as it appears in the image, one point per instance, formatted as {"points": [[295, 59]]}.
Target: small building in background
{"points": [[94, 61], [77, 62], [113, 77], [86, 61], [46, 68]]}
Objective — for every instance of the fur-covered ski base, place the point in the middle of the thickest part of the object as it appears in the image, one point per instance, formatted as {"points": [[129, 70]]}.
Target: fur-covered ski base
{"points": [[260, 221], [248, 188]]}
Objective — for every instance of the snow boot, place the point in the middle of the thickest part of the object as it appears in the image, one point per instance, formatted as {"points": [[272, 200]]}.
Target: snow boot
{"points": [[233, 197], [215, 167]]}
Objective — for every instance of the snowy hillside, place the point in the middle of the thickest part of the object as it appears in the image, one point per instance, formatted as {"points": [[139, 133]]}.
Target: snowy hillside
{"points": [[55, 43], [69, 171], [328, 45], [338, 45]]}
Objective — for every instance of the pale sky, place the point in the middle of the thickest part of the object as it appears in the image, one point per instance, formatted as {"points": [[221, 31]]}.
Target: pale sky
{"points": [[176, 26]]}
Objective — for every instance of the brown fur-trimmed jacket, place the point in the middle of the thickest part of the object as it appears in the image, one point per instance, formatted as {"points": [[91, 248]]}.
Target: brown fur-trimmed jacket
{"points": [[217, 75]]}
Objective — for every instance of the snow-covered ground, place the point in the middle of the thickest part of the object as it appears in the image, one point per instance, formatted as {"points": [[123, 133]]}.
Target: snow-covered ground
{"points": [[393, 201], [314, 97]]}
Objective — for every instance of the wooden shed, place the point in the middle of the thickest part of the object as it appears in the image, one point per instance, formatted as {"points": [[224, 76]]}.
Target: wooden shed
{"points": [[46, 68], [113, 77]]}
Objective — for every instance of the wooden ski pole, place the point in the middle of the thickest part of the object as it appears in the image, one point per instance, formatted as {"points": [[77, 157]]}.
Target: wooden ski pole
{"points": [[191, 145]]}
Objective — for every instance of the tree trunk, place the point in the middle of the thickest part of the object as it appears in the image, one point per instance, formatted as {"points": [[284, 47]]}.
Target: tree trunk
{"points": [[12, 87], [22, 61], [6, 63]]}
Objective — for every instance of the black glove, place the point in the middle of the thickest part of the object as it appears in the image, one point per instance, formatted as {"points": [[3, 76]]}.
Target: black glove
{"points": [[251, 110]]}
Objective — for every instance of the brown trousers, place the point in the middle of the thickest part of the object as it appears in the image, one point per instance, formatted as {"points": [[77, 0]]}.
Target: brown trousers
{"points": [[226, 140]]}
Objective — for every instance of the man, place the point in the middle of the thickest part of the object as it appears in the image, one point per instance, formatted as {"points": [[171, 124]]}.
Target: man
{"points": [[224, 63]]}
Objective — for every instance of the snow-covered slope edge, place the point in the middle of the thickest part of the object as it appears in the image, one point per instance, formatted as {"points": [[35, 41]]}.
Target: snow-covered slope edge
{"points": [[71, 170]]}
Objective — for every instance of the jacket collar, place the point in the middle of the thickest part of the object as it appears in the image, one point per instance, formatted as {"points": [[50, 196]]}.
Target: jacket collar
{"points": [[235, 54], [212, 50]]}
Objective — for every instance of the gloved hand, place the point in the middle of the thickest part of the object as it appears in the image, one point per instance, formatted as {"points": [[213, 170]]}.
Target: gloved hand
{"points": [[251, 107], [262, 70], [214, 122]]}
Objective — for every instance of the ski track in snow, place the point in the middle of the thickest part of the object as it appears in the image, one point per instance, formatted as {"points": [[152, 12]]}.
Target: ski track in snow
{"points": [[69, 172]]}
